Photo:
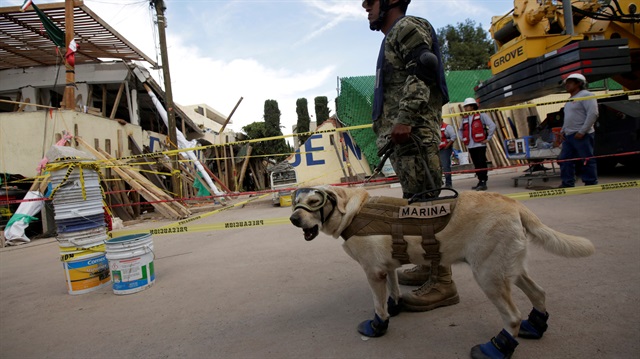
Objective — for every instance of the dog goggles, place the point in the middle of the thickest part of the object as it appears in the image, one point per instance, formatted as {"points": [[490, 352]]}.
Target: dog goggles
{"points": [[314, 203]]}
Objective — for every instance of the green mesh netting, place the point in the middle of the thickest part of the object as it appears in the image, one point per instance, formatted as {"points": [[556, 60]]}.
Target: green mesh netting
{"points": [[354, 108], [356, 98]]}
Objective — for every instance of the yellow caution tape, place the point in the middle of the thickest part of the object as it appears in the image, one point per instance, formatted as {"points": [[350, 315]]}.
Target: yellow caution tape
{"points": [[206, 227], [73, 256], [573, 190], [98, 248], [182, 227], [527, 105]]}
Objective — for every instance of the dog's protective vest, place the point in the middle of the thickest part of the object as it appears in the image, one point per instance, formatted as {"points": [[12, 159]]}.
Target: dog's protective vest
{"points": [[395, 216]]}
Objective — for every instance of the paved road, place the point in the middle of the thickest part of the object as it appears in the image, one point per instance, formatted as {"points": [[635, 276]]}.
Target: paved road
{"points": [[266, 293]]}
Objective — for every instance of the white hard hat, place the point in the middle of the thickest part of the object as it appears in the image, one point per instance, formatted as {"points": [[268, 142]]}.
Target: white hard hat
{"points": [[575, 76], [469, 101]]}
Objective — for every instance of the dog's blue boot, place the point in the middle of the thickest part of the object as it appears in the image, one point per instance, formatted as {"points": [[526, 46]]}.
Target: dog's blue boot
{"points": [[394, 308], [373, 328], [535, 326], [499, 347]]}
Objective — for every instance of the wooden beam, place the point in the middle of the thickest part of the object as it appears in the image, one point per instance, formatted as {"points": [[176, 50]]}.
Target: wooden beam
{"points": [[114, 198], [89, 103], [231, 114], [219, 165], [69, 89], [24, 104], [332, 140], [243, 170], [104, 100], [135, 149], [124, 196], [116, 103], [233, 168], [222, 185]]}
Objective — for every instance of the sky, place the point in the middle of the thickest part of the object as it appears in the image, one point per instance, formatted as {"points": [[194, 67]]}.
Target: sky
{"points": [[222, 50]]}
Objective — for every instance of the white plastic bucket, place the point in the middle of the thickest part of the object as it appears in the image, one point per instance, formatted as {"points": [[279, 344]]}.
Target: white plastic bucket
{"points": [[83, 239], [463, 158], [387, 169], [86, 271], [131, 263]]}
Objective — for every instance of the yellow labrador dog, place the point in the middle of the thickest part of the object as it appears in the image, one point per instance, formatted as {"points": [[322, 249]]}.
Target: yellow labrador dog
{"points": [[488, 231]]}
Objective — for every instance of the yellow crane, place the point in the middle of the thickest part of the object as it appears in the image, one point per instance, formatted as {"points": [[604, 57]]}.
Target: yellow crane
{"points": [[540, 42]]}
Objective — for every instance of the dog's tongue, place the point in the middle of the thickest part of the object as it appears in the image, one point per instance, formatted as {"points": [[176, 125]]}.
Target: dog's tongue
{"points": [[310, 233]]}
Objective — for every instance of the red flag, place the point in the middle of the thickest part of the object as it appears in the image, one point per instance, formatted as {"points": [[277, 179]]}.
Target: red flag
{"points": [[70, 56]]}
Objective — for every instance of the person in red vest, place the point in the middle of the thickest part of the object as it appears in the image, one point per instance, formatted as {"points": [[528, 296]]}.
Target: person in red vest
{"points": [[447, 138], [476, 131]]}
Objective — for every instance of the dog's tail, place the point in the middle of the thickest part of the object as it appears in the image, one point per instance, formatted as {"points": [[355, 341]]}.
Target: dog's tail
{"points": [[558, 243]]}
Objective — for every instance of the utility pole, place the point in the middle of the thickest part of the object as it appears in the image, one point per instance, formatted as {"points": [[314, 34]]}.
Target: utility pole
{"points": [[69, 92], [173, 138]]}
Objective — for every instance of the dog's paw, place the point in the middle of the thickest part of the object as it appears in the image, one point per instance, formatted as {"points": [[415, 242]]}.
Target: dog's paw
{"points": [[394, 308], [535, 326], [373, 328], [501, 346]]}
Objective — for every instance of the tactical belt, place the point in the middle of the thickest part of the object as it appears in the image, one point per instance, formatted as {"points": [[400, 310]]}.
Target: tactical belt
{"points": [[388, 215]]}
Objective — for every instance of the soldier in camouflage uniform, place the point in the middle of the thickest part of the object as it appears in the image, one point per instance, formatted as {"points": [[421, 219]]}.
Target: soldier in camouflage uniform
{"points": [[409, 94]]}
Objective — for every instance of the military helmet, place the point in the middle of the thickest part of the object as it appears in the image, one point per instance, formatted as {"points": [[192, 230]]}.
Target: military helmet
{"points": [[384, 7]]}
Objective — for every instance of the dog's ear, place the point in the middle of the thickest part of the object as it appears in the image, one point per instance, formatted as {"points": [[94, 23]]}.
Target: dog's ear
{"points": [[349, 201], [341, 196]]}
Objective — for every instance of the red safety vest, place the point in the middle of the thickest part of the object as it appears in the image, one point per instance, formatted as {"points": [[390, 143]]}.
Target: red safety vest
{"points": [[443, 136], [477, 130]]}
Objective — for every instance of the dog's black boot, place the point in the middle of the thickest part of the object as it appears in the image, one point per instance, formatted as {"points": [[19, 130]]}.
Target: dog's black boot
{"points": [[394, 308], [499, 347], [535, 326], [373, 328]]}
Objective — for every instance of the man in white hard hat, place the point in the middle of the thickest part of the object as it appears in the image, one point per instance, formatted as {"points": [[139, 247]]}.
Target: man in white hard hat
{"points": [[476, 131], [578, 133]]}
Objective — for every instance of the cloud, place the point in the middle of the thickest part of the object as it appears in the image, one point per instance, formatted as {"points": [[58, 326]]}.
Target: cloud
{"points": [[331, 14], [459, 10], [200, 79], [348, 9]]}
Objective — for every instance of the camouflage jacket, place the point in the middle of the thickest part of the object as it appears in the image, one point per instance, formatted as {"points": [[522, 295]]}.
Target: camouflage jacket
{"points": [[407, 99]]}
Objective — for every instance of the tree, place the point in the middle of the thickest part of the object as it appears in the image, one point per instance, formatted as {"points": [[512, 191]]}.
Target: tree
{"points": [[272, 129], [302, 109], [254, 131], [465, 47], [272, 118], [322, 109]]}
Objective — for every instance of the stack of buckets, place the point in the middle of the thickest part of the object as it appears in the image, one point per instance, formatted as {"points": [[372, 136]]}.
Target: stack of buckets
{"points": [[79, 216], [91, 261]]}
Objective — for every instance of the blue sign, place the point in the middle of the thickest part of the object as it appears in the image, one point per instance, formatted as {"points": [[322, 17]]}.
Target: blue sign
{"points": [[309, 150]]}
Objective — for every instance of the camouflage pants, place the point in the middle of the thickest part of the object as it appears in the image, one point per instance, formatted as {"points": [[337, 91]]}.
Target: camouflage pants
{"points": [[409, 162]]}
